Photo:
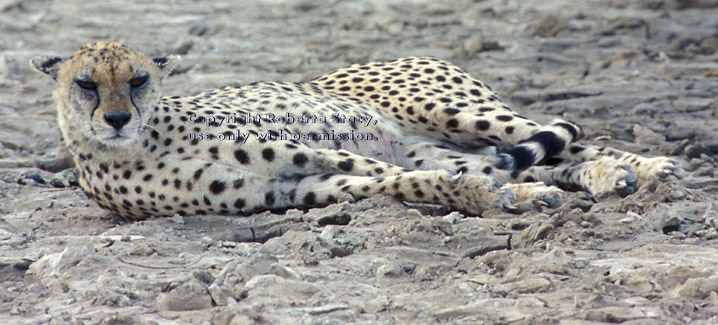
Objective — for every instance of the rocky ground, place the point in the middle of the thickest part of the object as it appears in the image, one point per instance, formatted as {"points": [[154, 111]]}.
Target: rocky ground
{"points": [[638, 75]]}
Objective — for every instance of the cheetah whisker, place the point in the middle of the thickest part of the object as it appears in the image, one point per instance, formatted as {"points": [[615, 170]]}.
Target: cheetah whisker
{"points": [[152, 127]]}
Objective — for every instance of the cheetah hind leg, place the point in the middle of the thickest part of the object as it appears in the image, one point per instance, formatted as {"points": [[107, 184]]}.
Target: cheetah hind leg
{"points": [[662, 168], [647, 169], [601, 177]]}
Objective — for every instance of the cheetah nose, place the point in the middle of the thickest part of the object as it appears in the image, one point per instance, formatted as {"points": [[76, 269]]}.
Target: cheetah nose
{"points": [[117, 121]]}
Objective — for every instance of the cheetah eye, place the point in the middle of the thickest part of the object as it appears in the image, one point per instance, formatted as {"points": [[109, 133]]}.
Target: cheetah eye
{"points": [[89, 85], [138, 81]]}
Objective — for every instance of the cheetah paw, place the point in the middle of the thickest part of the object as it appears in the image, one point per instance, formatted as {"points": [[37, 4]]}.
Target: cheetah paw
{"points": [[607, 176], [480, 193], [535, 196], [661, 168]]}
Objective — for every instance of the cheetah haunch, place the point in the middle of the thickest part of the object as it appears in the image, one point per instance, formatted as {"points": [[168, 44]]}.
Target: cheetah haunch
{"points": [[419, 129]]}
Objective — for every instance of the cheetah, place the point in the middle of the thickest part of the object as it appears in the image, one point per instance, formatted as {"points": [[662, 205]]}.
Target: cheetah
{"points": [[418, 129]]}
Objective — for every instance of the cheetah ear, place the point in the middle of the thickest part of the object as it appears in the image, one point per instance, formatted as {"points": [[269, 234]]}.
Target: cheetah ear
{"points": [[166, 63], [48, 65]]}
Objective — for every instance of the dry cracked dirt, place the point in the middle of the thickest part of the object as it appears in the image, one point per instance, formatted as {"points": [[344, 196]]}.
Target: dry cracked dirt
{"points": [[639, 75]]}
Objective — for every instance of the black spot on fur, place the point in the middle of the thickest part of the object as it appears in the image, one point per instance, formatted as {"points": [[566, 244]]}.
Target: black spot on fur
{"points": [[239, 203], [310, 198], [504, 118], [238, 183], [482, 125], [300, 159], [198, 174], [268, 154], [269, 198], [217, 187], [346, 165], [241, 156]]}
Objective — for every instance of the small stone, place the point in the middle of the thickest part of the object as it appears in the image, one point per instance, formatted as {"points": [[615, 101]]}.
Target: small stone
{"points": [[191, 295], [52, 265], [142, 250], [222, 295], [389, 270], [636, 301], [531, 235], [283, 271], [204, 276], [453, 217], [413, 213], [644, 135], [378, 304], [613, 314], [699, 288], [326, 309], [270, 285], [548, 26], [469, 310], [485, 245], [644, 108], [230, 317], [665, 217], [329, 233], [530, 285], [177, 219]]}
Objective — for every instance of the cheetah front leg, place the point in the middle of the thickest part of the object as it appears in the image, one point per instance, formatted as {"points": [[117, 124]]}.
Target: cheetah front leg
{"points": [[221, 189], [465, 193]]}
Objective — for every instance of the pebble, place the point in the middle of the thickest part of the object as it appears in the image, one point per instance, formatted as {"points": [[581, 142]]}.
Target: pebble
{"points": [[699, 288], [389, 270], [283, 271], [613, 314], [531, 235], [644, 135], [191, 295]]}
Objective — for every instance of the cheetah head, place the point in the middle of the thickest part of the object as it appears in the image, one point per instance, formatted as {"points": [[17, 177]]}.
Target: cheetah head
{"points": [[105, 92]]}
